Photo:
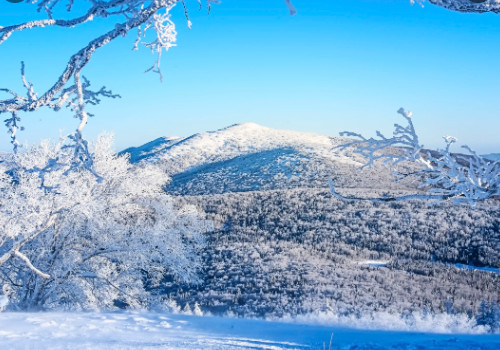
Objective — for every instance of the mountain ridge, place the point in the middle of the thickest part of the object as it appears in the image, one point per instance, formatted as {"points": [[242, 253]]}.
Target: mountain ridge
{"points": [[249, 157], [248, 138]]}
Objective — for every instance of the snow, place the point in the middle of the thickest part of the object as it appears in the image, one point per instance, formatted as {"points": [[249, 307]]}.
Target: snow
{"points": [[477, 268], [492, 156], [375, 263], [151, 148], [146, 330], [4, 301], [236, 140]]}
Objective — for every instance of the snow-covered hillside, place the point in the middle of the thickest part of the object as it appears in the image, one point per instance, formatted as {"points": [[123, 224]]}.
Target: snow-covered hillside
{"points": [[236, 140], [492, 156], [249, 157], [151, 148]]}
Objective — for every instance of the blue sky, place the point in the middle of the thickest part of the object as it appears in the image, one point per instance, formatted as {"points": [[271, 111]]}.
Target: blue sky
{"points": [[336, 65]]}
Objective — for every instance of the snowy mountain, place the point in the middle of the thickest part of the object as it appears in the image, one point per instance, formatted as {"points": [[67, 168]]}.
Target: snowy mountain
{"points": [[249, 157], [227, 143], [151, 148], [283, 245], [492, 156]]}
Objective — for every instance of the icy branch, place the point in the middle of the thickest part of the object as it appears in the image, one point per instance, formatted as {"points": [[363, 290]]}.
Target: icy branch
{"points": [[12, 127], [78, 61], [30, 265], [478, 6], [290, 6], [99, 9], [14, 251], [75, 97], [458, 177]]}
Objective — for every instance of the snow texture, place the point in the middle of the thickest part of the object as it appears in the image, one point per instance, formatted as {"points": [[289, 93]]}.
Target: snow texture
{"points": [[181, 154], [142, 330]]}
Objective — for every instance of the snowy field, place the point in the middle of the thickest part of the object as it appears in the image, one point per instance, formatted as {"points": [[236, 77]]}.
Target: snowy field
{"points": [[166, 331]]}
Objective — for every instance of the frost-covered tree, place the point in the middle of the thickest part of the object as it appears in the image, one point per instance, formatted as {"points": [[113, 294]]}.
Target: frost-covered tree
{"points": [[80, 228], [445, 176], [73, 239]]}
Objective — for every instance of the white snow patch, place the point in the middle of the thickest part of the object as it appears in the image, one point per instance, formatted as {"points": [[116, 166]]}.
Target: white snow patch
{"points": [[376, 263]]}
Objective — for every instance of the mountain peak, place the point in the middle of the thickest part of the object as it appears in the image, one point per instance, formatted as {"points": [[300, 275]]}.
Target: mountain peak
{"points": [[246, 126], [236, 140]]}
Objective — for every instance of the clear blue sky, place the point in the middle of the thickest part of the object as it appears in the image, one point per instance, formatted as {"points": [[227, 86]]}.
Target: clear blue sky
{"points": [[336, 65]]}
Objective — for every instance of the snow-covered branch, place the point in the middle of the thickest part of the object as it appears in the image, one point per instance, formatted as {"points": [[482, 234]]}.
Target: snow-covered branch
{"points": [[457, 177], [130, 14], [290, 6], [98, 9], [12, 127], [78, 61], [478, 6], [14, 250], [30, 265]]}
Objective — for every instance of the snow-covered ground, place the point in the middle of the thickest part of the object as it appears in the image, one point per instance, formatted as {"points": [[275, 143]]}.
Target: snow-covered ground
{"points": [[141, 330], [376, 263]]}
